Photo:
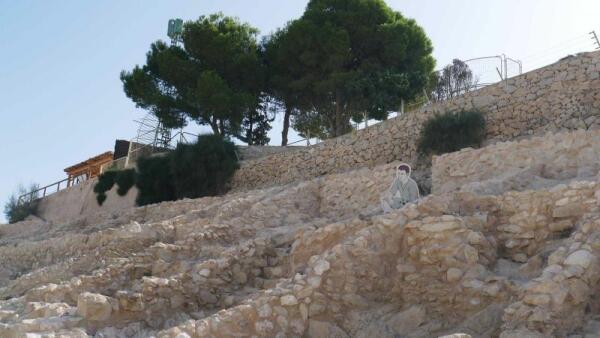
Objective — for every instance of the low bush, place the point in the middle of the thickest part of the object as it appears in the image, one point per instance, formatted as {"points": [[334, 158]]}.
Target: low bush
{"points": [[125, 179], [190, 171], [105, 182], [203, 168], [154, 180], [15, 210], [452, 131]]}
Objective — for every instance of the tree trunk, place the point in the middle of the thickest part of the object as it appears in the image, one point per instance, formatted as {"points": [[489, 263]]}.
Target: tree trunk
{"points": [[286, 126], [250, 132], [214, 126], [338, 114], [221, 128]]}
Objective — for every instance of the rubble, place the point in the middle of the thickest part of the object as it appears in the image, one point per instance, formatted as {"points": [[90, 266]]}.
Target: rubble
{"points": [[315, 259]]}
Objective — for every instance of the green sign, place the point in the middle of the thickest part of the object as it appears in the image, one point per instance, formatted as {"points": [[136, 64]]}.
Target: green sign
{"points": [[175, 28]]}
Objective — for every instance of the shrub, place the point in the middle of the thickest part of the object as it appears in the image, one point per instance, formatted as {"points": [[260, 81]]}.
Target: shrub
{"points": [[104, 184], [203, 168], [100, 198], [125, 179], [154, 180], [452, 131], [190, 171], [15, 211]]}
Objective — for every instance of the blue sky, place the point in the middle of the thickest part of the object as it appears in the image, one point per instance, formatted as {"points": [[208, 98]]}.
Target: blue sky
{"points": [[61, 100]]}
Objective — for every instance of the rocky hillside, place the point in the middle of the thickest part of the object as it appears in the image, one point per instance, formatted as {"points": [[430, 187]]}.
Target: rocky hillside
{"points": [[318, 259]]}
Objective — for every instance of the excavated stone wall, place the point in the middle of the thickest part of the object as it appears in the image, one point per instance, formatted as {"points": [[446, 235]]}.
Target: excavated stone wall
{"points": [[528, 164], [313, 259], [562, 96], [433, 268]]}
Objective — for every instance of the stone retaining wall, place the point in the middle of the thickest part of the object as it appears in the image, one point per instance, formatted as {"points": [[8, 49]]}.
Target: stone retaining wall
{"points": [[255, 152], [80, 200], [528, 164], [562, 96]]}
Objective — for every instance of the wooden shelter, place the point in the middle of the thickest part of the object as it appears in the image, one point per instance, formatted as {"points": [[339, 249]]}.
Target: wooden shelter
{"points": [[87, 169]]}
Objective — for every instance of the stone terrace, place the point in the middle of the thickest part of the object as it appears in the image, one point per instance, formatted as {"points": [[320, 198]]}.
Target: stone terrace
{"points": [[317, 259], [560, 97]]}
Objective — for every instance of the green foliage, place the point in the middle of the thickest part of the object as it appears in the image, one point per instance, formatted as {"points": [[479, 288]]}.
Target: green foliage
{"points": [[100, 198], [311, 124], [256, 125], [105, 181], [215, 79], [452, 131], [104, 184], [276, 53], [190, 171], [453, 80], [16, 211], [125, 179], [154, 180], [203, 168], [343, 58]]}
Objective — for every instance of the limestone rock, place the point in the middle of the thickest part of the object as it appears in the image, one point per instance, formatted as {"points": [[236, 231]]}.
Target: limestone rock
{"points": [[324, 329], [407, 321], [289, 300], [94, 307], [582, 258]]}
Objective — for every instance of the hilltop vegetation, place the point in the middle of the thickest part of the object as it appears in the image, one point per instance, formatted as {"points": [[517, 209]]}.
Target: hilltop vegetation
{"points": [[340, 60]]}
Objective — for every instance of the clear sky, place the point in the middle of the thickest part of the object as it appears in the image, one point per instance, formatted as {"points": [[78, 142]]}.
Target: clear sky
{"points": [[61, 100]]}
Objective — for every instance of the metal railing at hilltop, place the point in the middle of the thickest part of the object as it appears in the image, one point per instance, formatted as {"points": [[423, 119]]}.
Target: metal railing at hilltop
{"points": [[135, 152], [49, 189]]}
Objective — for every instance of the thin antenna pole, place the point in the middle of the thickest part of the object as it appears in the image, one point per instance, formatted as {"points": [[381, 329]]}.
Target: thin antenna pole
{"points": [[595, 38]]}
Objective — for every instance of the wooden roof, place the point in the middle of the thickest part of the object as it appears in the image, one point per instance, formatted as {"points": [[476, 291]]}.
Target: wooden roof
{"points": [[92, 161]]}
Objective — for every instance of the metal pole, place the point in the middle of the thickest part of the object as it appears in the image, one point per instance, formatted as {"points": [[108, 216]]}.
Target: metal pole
{"points": [[595, 38], [519, 63], [505, 65], [128, 154]]}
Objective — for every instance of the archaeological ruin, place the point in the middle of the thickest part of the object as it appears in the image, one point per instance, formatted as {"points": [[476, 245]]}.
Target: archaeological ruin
{"points": [[506, 245]]}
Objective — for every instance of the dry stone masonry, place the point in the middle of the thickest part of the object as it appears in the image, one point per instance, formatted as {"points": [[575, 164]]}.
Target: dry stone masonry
{"points": [[529, 164], [507, 245], [560, 97], [317, 258]]}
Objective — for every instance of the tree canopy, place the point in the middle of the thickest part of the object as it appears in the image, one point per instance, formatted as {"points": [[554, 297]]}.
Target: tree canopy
{"points": [[453, 80], [215, 78], [343, 58]]}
